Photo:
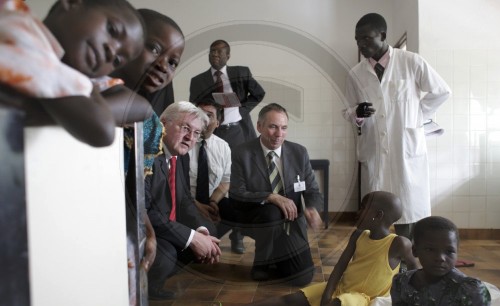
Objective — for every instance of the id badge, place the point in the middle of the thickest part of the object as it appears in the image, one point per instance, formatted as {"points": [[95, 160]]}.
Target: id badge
{"points": [[299, 185]]}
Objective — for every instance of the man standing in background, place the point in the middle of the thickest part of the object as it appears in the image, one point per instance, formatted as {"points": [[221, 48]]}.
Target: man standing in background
{"points": [[406, 91]]}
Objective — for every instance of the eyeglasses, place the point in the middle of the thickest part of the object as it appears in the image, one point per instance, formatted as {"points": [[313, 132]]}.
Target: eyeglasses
{"points": [[185, 129]]}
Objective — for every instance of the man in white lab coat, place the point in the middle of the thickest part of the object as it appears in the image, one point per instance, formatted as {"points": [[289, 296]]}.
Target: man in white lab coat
{"points": [[391, 93]]}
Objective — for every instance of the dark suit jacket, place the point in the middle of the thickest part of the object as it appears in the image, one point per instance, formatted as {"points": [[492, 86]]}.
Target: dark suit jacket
{"points": [[250, 178], [159, 205], [243, 84]]}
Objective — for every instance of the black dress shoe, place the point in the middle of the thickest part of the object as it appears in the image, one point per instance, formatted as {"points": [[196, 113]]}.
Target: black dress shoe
{"points": [[260, 273], [237, 246], [160, 295]]}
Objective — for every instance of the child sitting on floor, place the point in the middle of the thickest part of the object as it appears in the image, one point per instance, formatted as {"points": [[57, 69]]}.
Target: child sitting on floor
{"points": [[367, 265], [438, 282]]}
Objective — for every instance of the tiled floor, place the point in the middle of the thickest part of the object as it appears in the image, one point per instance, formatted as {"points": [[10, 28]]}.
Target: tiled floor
{"points": [[229, 281]]}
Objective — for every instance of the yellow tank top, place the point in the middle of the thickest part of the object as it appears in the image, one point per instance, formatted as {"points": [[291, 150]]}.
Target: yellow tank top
{"points": [[369, 271]]}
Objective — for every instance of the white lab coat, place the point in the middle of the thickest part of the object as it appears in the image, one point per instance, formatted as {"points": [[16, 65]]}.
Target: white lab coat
{"points": [[392, 147]]}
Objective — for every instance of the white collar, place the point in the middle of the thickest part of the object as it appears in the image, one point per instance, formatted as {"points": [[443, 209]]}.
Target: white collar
{"points": [[266, 150], [223, 70]]}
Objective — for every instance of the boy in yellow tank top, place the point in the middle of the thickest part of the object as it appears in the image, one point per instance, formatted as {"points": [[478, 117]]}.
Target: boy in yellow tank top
{"points": [[368, 263]]}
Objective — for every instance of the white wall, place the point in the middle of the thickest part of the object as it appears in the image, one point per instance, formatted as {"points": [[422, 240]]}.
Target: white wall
{"points": [[458, 37]]}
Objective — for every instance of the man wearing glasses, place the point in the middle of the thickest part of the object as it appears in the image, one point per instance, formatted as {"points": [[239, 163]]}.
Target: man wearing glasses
{"points": [[181, 233]]}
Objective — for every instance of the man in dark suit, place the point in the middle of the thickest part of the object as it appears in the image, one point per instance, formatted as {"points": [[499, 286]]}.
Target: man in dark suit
{"points": [[236, 126], [269, 178], [177, 225]]}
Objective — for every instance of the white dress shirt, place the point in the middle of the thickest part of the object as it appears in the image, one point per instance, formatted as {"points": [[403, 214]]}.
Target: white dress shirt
{"points": [[219, 163]]}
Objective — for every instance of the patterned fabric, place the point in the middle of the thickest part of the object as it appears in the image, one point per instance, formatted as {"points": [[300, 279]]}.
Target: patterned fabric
{"points": [[274, 175], [106, 82], [455, 288], [153, 132], [31, 57]]}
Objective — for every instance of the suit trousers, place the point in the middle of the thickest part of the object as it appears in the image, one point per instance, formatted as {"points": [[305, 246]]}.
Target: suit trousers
{"points": [[405, 230], [288, 250], [163, 266], [232, 134], [168, 261]]}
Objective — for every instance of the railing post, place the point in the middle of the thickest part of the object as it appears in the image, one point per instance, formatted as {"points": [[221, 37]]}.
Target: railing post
{"points": [[14, 271], [136, 229]]}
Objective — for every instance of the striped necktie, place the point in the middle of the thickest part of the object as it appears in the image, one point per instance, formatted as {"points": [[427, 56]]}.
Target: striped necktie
{"points": [[274, 175]]}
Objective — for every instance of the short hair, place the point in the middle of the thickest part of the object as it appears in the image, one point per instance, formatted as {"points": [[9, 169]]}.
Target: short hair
{"points": [[271, 107], [373, 19], [217, 106], [175, 110], [148, 14], [433, 223], [221, 41]]}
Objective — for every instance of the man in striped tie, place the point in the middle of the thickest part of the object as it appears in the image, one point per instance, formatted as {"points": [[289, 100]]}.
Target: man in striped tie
{"points": [[269, 178]]}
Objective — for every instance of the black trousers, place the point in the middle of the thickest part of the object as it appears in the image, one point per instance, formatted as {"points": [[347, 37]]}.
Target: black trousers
{"points": [[169, 260], [405, 230], [279, 243], [224, 227], [232, 134]]}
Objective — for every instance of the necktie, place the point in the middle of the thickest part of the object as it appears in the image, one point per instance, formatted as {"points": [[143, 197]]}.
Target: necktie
{"points": [[219, 87], [379, 70], [171, 183], [274, 175], [202, 188]]}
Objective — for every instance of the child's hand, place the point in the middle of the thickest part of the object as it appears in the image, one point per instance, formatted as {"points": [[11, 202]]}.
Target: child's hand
{"points": [[149, 253], [150, 247]]}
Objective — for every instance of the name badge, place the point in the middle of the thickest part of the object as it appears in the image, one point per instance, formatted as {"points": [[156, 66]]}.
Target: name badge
{"points": [[299, 185]]}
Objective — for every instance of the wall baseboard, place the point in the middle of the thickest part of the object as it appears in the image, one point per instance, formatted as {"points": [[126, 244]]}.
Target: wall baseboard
{"points": [[479, 233], [349, 218]]}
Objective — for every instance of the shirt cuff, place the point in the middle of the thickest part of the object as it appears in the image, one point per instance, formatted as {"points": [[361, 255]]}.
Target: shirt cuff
{"points": [[200, 229], [352, 113], [189, 240]]}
